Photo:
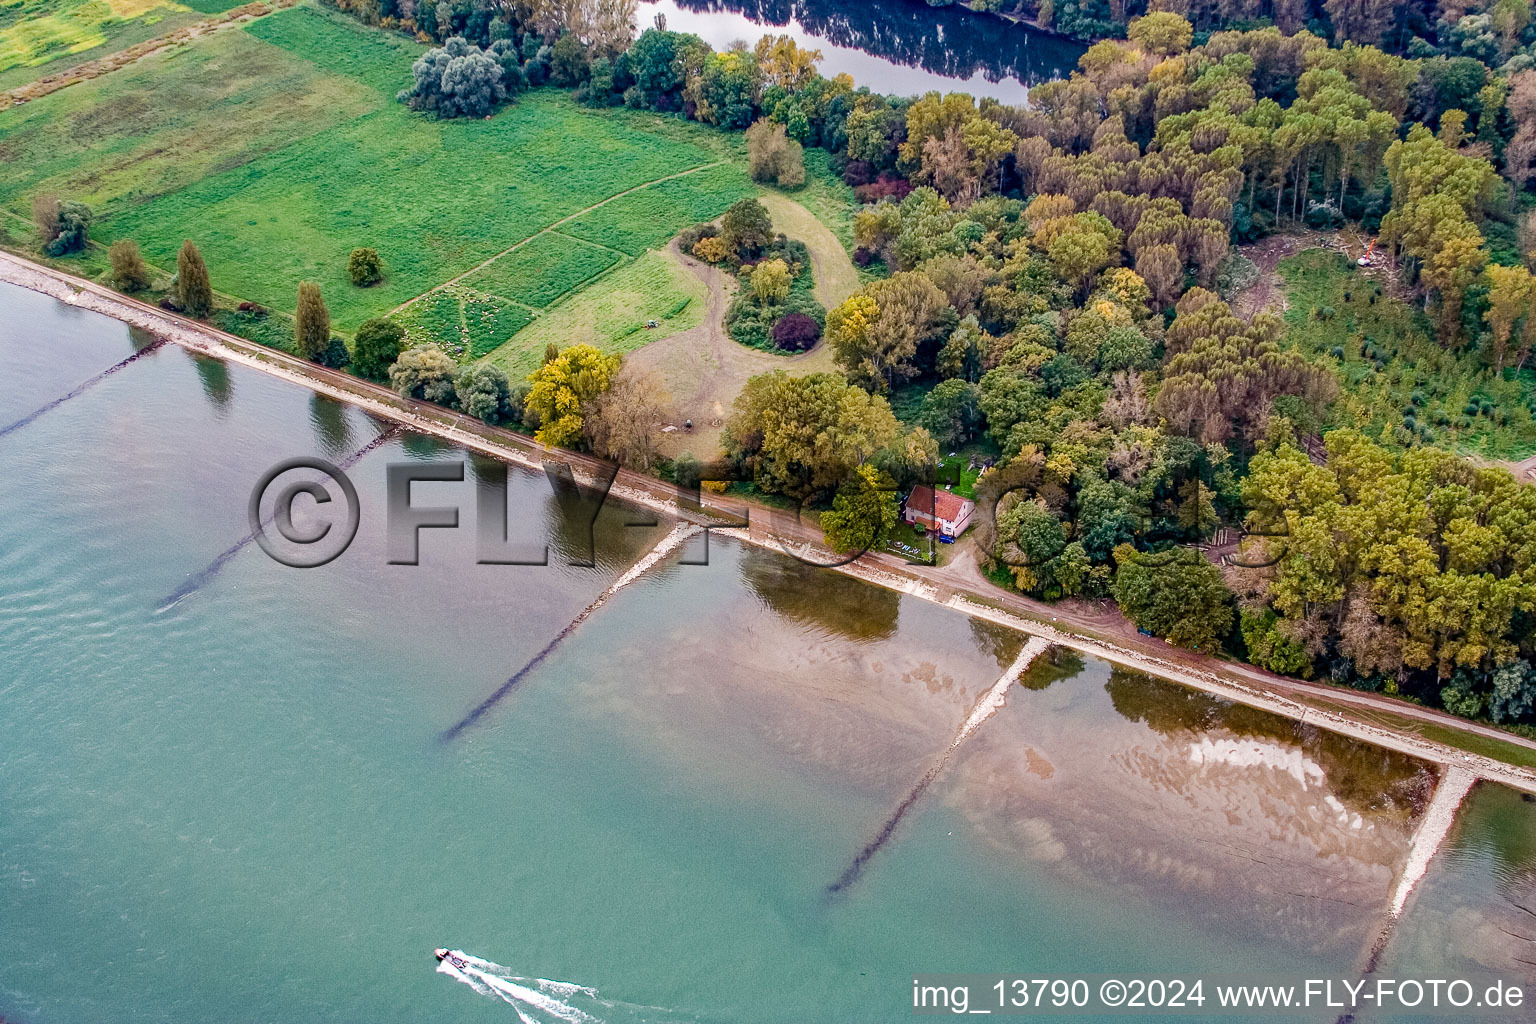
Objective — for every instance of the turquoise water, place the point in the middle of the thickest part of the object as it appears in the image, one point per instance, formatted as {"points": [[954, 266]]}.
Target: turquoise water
{"points": [[1474, 914], [239, 808]]}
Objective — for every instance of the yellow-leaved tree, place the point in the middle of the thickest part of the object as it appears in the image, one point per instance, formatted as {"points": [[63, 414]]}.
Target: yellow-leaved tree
{"points": [[564, 389]]}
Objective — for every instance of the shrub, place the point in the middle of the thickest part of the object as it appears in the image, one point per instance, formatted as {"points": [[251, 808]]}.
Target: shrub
{"points": [[858, 172], [746, 228], [45, 214], [750, 321], [888, 187], [770, 281], [484, 392], [424, 372], [695, 233], [335, 355], [774, 157], [796, 332], [365, 268], [74, 227], [686, 470], [568, 64], [711, 249], [129, 271]]}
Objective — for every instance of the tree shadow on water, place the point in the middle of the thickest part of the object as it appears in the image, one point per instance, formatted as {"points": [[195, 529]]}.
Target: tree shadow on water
{"points": [[818, 597]]}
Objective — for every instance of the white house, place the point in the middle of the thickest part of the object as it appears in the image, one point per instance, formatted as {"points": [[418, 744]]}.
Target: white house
{"points": [[944, 511]]}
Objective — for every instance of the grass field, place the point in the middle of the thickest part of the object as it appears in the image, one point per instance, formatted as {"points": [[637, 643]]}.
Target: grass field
{"points": [[649, 218], [612, 316], [278, 147], [41, 37], [1396, 381], [340, 47], [169, 121], [462, 321], [544, 269]]}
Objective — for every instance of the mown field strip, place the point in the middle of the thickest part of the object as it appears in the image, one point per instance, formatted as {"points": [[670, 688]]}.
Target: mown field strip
{"points": [[546, 230]]}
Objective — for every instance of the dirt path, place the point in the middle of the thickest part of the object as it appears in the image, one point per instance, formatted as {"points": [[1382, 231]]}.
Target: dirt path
{"points": [[705, 370], [834, 273], [551, 229], [122, 58], [1524, 471], [1086, 629]]}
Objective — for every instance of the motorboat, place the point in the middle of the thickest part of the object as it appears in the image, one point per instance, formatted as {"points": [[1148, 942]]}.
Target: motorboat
{"points": [[451, 956]]}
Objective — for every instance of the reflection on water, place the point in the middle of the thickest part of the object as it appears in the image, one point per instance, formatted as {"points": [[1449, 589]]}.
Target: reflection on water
{"points": [[1129, 783], [1054, 665], [828, 600], [427, 447], [329, 418], [901, 47], [1001, 642], [1369, 779], [215, 378], [1476, 907], [139, 338]]}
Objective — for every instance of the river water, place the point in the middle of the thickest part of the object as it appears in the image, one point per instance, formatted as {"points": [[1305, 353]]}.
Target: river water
{"points": [[897, 47], [241, 808]]}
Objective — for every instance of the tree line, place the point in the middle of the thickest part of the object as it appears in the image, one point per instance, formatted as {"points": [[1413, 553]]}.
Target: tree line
{"points": [[1052, 282]]}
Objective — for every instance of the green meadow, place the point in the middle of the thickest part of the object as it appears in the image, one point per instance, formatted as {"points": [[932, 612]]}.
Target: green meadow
{"points": [[545, 268], [278, 147]]}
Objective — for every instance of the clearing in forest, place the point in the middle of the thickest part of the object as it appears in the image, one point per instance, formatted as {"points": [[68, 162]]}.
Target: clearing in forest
{"points": [[1396, 380]]}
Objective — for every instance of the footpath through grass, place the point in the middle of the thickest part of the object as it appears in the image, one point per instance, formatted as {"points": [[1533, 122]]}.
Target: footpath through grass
{"points": [[44, 37], [613, 313]]}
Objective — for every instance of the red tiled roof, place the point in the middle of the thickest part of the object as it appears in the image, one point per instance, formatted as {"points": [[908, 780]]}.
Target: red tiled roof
{"points": [[945, 504]]}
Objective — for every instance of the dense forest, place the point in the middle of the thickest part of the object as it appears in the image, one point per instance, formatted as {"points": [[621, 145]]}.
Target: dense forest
{"points": [[1052, 286]]}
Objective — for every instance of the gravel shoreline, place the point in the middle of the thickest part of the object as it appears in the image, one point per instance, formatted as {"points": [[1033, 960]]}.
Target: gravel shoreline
{"points": [[657, 496]]}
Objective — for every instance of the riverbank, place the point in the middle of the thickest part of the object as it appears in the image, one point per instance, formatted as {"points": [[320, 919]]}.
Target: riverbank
{"points": [[1237, 683]]}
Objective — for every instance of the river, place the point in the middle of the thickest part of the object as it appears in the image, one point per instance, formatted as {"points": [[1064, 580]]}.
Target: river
{"points": [[897, 47], [241, 806]]}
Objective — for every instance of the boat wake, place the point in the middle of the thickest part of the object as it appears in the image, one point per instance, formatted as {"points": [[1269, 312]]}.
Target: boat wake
{"points": [[542, 1001]]}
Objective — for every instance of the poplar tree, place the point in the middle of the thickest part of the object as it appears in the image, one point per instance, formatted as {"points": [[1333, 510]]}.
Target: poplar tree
{"points": [[312, 322], [193, 287]]}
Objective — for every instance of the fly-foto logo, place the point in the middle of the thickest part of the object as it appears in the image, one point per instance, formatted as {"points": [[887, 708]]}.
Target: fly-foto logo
{"points": [[305, 513]]}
